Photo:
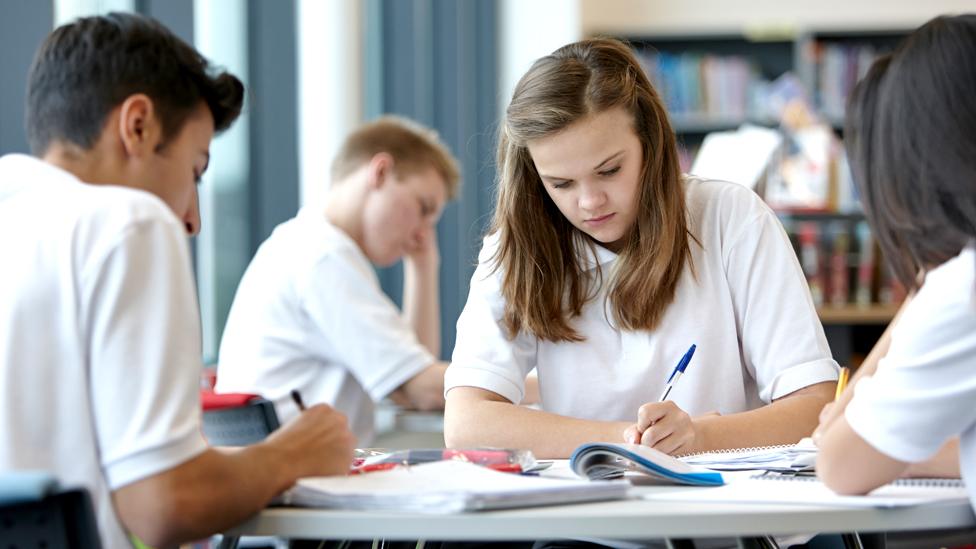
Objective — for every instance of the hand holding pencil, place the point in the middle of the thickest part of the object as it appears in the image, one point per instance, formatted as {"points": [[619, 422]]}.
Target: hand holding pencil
{"points": [[835, 409]]}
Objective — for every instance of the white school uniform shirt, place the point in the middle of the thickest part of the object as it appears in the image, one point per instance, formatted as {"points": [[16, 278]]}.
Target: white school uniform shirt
{"points": [[310, 315], [924, 390], [99, 334], [749, 312]]}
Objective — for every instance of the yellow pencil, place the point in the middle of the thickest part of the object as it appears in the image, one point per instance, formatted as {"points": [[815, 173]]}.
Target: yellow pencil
{"points": [[841, 382]]}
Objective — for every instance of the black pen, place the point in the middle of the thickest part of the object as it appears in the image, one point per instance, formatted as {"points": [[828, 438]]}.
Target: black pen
{"points": [[297, 397]]}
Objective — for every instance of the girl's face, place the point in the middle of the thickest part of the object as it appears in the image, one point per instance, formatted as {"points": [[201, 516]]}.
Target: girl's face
{"points": [[591, 171]]}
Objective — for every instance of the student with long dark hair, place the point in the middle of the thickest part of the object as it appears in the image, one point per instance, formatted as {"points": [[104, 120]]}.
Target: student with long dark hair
{"points": [[911, 136], [604, 264]]}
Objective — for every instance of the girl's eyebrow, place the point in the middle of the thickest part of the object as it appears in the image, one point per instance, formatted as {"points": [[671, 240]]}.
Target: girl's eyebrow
{"points": [[608, 159]]}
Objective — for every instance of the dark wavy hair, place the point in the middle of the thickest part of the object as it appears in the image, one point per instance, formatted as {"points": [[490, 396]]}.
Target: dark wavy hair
{"points": [[911, 139], [86, 68]]}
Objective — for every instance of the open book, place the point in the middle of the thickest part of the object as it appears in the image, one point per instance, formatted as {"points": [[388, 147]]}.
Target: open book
{"points": [[445, 487], [788, 489], [608, 460], [799, 457]]}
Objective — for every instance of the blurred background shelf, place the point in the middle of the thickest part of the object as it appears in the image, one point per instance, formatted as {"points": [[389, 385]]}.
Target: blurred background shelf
{"points": [[856, 314]]}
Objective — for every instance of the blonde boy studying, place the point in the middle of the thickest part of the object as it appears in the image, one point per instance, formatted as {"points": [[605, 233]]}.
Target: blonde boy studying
{"points": [[309, 314]]}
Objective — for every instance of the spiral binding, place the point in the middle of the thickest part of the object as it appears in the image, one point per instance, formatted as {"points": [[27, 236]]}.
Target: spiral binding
{"points": [[739, 450], [924, 482]]}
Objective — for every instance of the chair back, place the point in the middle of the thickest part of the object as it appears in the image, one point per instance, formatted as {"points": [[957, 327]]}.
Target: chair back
{"points": [[60, 520]]}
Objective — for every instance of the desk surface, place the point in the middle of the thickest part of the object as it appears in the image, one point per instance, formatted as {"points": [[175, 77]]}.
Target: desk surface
{"points": [[626, 519]]}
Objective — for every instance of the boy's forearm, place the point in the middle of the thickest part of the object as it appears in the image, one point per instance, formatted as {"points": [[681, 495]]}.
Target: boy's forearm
{"points": [[208, 494], [421, 303]]}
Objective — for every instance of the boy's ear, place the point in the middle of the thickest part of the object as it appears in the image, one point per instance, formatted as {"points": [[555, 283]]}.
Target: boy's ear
{"points": [[140, 131], [380, 168]]}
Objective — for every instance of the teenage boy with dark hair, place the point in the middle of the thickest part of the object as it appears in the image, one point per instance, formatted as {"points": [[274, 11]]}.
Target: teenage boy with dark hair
{"points": [[99, 330]]}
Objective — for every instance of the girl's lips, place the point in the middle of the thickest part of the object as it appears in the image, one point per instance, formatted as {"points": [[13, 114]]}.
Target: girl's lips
{"points": [[599, 220]]}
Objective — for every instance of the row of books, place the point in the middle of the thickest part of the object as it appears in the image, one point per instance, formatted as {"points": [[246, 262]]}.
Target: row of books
{"points": [[842, 263], [706, 85], [839, 67]]}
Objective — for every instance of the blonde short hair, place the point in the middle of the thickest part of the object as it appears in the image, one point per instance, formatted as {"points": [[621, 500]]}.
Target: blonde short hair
{"points": [[414, 148]]}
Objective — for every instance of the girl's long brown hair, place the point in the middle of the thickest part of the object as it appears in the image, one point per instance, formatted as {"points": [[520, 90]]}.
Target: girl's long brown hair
{"points": [[545, 280]]}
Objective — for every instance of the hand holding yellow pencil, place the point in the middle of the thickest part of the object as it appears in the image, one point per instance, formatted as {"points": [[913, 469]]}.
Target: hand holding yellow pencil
{"points": [[845, 374]]}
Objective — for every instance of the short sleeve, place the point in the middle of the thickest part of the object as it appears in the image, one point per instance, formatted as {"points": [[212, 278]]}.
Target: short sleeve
{"points": [[144, 353], [484, 356], [924, 389], [782, 341], [362, 325]]}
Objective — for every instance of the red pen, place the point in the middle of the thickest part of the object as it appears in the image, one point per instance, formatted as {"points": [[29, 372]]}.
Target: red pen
{"points": [[373, 467]]}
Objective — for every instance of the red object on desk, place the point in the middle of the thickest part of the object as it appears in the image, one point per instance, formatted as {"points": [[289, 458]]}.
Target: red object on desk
{"points": [[218, 401], [372, 467]]}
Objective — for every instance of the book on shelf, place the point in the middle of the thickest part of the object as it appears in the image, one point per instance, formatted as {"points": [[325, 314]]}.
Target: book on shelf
{"points": [[809, 254], [838, 283], [839, 67], [841, 261], [865, 265], [708, 85], [448, 486], [599, 461]]}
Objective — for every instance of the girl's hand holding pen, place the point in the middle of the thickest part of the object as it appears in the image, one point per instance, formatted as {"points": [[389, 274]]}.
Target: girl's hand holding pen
{"points": [[663, 426]]}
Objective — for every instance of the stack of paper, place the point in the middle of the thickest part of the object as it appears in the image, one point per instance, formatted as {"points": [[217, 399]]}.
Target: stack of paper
{"points": [[446, 487], [740, 156], [792, 457], [798, 490]]}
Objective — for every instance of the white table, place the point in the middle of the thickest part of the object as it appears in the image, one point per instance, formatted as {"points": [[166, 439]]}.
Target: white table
{"points": [[625, 519]]}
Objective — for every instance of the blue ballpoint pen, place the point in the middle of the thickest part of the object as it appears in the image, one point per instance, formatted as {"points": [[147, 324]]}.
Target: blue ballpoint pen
{"points": [[678, 370]]}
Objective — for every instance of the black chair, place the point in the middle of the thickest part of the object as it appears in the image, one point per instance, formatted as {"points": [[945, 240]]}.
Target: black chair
{"points": [[63, 520]]}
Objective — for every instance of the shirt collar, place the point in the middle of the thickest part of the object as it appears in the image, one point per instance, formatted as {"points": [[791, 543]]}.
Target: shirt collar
{"points": [[586, 257], [19, 172]]}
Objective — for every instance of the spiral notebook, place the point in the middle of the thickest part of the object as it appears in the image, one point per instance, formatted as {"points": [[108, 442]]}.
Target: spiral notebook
{"points": [[784, 458], [788, 489]]}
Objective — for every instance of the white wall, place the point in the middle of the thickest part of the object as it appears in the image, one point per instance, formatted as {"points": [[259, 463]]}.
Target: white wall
{"points": [[66, 11], [220, 34], [330, 91], [635, 17], [529, 30]]}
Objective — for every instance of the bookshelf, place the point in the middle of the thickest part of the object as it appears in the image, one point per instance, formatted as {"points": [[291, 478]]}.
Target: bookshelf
{"points": [[715, 82], [857, 314]]}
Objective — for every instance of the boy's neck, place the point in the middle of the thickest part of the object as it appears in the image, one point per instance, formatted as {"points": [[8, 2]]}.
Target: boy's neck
{"points": [[343, 208], [89, 166]]}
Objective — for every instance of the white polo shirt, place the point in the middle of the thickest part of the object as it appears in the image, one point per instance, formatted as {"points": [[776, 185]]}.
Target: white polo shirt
{"points": [[99, 334], [924, 390], [749, 312], [310, 315]]}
